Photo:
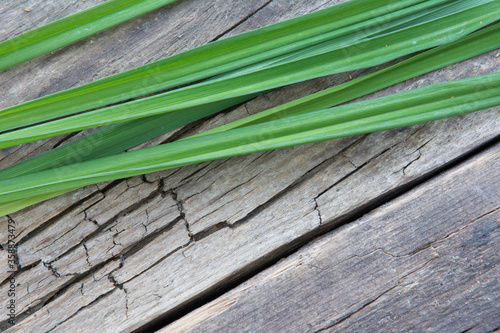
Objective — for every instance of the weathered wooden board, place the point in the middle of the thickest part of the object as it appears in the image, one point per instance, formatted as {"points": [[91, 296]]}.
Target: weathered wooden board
{"points": [[125, 253], [425, 262]]}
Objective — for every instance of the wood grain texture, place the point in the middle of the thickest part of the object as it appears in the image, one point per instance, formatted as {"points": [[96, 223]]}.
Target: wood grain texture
{"points": [[121, 254], [426, 262]]}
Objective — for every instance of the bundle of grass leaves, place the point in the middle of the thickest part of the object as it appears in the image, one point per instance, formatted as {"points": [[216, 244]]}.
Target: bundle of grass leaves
{"points": [[203, 81]]}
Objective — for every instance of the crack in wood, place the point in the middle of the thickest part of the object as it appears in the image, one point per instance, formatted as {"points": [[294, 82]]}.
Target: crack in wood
{"points": [[169, 254], [98, 299], [47, 299], [52, 269], [318, 210], [240, 22], [372, 301], [317, 168], [196, 172], [107, 224], [418, 149], [180, 207], [466, 226]]}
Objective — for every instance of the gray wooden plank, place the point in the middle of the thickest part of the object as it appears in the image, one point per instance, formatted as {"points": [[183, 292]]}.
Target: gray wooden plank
{"points": [[425, 262]]}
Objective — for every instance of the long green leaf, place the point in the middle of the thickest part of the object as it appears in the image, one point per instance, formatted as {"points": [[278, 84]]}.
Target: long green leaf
{"points": [[402, 109], [116, 138], [364, 54], [424, 12], [70, 29], [14, 206], [476, 43], [360, 16], [424, 16]]}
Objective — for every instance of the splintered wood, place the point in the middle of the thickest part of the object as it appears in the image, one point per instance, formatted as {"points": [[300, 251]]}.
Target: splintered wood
{"points": [[118, 256]]}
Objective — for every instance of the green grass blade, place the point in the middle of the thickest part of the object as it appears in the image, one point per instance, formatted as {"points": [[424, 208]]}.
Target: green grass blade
{"points": [[402, 109], [439, 12], [114, 139], [363, 32], [209, 60], [364, 54], [476, 43], [420, 17], [14, 206], [70, 29]]}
